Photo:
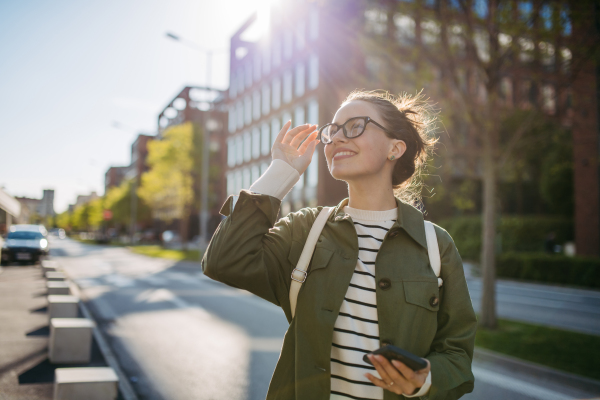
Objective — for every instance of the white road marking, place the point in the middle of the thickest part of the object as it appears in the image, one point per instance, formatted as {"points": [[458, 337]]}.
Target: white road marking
{"points": [[516, 385]]}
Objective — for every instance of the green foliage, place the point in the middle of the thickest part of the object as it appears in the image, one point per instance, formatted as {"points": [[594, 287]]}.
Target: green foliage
{"points": [[172, 254], [118, 200], [87, 216], [550, 268], [63, 220], [168, 186], [516, 233], [572, 352]]}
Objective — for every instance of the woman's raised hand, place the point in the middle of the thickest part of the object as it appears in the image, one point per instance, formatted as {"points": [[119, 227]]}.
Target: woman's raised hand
{"points": [[287, 145]]}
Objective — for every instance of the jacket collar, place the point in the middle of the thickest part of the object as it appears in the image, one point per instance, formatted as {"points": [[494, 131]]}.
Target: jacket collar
{"points": [[409, 218]]}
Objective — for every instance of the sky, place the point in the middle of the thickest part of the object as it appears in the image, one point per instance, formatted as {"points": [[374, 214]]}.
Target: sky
{"points": [[70, 69]]}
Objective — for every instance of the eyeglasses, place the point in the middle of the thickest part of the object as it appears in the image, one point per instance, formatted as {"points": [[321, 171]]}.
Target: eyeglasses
{"points": [[352, 129]]}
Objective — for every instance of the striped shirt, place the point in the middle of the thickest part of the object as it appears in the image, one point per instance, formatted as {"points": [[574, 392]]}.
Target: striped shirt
{"points": [[356, 330]]}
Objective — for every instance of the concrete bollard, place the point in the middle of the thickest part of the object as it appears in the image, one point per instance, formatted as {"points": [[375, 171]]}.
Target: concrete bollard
{"points": [[55, 276], [70, 340], [48, 265], [93, 383], [63, 306], [58, 287]]}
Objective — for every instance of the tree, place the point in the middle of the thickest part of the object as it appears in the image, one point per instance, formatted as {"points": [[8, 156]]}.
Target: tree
{"points": [[118, 200], [168, 186], [479, 59]]}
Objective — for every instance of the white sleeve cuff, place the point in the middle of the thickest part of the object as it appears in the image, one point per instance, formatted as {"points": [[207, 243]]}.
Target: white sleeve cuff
{"points": [[424, 389], [277, 180]]}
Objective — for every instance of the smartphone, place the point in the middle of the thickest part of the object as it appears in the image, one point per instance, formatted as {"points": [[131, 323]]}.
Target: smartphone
{"points": [[396, 353]]}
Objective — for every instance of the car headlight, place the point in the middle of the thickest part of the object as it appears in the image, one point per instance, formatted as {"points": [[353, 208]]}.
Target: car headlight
{"points": [[43, 243]]}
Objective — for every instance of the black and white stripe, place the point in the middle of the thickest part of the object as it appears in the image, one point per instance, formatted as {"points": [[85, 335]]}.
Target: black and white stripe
{"points": [[356, 330]]}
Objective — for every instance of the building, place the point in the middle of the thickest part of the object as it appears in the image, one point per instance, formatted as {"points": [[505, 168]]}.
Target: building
{"points": [[289, 75], [34, 209], [10, 210], [85, 198], [113, 177], [205, 108]]}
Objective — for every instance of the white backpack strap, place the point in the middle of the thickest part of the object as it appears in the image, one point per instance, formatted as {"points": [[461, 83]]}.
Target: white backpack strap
{"points": [[433, 250], [299, 273]]}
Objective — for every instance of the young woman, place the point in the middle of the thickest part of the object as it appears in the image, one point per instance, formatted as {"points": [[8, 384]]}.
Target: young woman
{"points": [[369, 282]]}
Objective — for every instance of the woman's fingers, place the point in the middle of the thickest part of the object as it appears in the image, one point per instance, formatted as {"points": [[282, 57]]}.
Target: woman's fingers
{"points": [[300, 136], [312, 138], [282, 132], [292, 133]]}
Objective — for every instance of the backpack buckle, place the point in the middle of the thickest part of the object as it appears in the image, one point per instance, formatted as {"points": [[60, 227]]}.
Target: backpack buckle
{"points": [[298, 280]]}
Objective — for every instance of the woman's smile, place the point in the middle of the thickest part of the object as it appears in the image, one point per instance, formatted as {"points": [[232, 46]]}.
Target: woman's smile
{"points": [[343, 154]]}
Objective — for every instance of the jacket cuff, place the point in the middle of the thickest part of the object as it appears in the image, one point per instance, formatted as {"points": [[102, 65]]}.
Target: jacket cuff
{"points": [[277, 180], [424, 389]]}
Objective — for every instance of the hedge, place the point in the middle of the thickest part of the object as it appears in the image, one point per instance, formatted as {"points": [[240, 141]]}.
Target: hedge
{"points": [[516, 233], [550, 268]]}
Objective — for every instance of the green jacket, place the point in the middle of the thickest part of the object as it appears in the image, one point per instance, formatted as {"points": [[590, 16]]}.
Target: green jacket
{"points": [[254, 251]]}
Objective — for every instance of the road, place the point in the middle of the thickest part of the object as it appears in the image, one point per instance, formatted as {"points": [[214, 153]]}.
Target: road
{"points": [[179, 335]]}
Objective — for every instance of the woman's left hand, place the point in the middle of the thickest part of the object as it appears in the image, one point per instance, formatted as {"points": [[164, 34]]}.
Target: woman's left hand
{"points": [[396, 376]]}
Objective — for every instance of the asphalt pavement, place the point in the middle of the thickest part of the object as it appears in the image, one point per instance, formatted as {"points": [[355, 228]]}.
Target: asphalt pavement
{"points": [[179, 335]]}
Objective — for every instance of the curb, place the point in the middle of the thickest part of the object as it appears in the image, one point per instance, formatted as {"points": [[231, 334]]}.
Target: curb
{"points": [[124, 385], [565, 378]]}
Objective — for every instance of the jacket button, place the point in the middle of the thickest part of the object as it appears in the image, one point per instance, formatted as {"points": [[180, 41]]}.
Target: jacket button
{"points": [[394, 233], [434, 301], [385, 284]]}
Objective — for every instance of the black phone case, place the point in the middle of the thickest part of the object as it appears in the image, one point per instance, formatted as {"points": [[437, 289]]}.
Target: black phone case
{"points": [[396, 353]]}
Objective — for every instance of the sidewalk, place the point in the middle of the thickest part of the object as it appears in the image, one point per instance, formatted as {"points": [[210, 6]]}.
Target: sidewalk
{"points": [[25, 371]]}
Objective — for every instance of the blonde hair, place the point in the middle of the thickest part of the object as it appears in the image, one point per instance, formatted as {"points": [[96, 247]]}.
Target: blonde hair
{"points": [[410, 119]]}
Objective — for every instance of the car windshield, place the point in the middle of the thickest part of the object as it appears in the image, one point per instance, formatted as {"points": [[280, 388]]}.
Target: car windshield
{"points": [[25, 235]]}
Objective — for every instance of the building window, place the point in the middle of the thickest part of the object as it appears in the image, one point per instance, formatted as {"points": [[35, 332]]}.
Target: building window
{"points": [[276, 100], [285, 117], [240, 114], [247, 146], [230, 183], [549, 99], [276, 53], [300, 35], [257, 69], [275, 128], [256, 105], [248, 110], [313, 112], [246, 178], [248, 73], [312, 173], [299, 116], [266, 99], [299, 79], [232, 87], [266, 60], [405, 29], [232, 118], [255, 143], [265, 141], [239, 149], [287, 86], [288, 44], [239, 183], [231, 152], [313, 23], [313, 71], [240, 80], [255, 173], [263, 167]]}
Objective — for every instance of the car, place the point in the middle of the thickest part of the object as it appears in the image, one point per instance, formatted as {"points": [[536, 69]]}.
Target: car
{"points": [[25, 243]]}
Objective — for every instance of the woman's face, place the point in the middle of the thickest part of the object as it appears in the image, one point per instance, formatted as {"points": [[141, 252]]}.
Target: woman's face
{"points": [[364, 156]]}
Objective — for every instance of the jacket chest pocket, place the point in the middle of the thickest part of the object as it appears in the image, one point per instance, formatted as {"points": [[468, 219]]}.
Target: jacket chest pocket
{"points": [[320, 258], [425, 294]]}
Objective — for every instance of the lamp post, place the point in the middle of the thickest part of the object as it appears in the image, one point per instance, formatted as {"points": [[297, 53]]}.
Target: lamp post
{"points": [[204, 176]]}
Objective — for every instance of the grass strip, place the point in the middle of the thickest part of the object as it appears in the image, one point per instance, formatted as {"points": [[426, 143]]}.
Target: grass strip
{"points": [[572, 352], [172, 254]]}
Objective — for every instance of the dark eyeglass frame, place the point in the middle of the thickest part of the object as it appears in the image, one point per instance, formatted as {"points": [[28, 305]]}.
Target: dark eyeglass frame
{"points": [[343, 126]]}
